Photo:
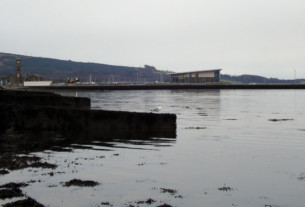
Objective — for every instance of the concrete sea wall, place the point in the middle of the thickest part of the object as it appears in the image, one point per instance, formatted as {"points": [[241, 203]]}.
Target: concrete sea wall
{"points": [[42, 99], [78, 121]]}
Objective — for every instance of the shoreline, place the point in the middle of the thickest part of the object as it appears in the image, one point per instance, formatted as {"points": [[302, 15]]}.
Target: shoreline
{"points": [[165, 87]]}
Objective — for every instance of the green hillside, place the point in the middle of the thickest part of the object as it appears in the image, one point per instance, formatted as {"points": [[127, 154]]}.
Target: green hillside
{"points": [[255, 79], [59, 70]]}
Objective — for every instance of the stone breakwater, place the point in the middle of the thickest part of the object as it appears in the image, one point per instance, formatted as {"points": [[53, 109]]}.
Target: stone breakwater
{"points": [[72, 117], [36, 98]]}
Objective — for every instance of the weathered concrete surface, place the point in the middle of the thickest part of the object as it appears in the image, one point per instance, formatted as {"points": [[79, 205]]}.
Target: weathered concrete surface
{"points": [[42, 99], [58, 114]]}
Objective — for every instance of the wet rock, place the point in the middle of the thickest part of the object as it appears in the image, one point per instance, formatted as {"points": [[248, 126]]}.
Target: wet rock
{"points": [[20, 162], [81, 183], [164, 205], [29, 202], [10, 193], [14, 185], [195, 128], [302, 176], [148, 201], [202, 114], [170, 191], [106, 204], [32, 181], [225, 188], [275, 120], [4, 172]]}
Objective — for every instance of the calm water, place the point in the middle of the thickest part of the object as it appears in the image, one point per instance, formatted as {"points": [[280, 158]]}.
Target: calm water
{"points": [[252, 141]]}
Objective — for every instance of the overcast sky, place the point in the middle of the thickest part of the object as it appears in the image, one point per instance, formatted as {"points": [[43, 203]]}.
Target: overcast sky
{"points": [[262, 37]]}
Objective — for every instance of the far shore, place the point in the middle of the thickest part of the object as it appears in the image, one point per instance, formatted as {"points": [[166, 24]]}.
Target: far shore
{"points": [[164, 86]]}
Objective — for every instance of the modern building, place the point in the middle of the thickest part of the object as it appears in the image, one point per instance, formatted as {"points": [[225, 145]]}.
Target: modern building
{"points": [[203, 76]]}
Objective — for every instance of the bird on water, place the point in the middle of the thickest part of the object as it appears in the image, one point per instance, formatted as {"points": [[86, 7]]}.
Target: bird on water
{"points": [[158, 109]]}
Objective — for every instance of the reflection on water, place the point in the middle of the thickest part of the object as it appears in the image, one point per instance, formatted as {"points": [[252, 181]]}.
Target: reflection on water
{"points": [[233, 148]]}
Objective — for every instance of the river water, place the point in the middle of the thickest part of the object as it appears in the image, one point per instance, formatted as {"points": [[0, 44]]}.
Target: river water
{"points": [[233, 148]]}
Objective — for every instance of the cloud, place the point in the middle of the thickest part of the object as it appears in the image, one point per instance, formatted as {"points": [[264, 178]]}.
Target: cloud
{"points": [[254, 36]]}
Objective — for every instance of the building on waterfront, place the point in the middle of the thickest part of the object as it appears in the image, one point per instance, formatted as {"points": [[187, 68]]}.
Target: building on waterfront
{"points": [[203, 76], [36, 83]]}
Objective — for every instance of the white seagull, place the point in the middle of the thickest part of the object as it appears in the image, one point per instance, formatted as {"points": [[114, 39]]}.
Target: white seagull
{"points": [[158, 109]]}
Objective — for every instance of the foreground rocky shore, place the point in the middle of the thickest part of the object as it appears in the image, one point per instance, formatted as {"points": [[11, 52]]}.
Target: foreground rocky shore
{"points": [[33, 122]]}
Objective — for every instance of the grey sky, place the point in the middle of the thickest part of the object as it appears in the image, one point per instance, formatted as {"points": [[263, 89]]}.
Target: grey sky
{"points": [[263, 37]]}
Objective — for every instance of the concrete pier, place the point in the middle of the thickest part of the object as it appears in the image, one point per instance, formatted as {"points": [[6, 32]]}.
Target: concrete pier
{"points": [[42, 99], [73, 119]]}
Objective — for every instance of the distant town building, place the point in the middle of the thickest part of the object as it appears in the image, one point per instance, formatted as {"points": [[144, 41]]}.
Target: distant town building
{"points": [[32, 77], [37, 83], [10, 79], [71, 80], [203, 76]]}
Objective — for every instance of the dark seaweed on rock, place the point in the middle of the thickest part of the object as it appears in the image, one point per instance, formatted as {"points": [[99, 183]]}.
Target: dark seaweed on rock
{"points": [[106, 204], [21, 162], [165, 190], [224, 188], [148, 201], [195, 128], [274, 120], [14, 185], [164, 205], [81, 183], [3, 172], [10, 193], [29, 202]]}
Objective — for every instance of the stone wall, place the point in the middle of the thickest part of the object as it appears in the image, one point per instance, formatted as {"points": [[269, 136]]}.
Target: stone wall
{"points": [[69, 116], [42, 99]]}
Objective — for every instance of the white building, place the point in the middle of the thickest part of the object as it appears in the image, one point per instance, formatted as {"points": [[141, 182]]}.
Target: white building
{"points": [[37, 83]]}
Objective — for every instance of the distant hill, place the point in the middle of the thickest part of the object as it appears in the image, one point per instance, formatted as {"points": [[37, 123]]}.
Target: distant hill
{"points": [[59, 70], [248, 79]]}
